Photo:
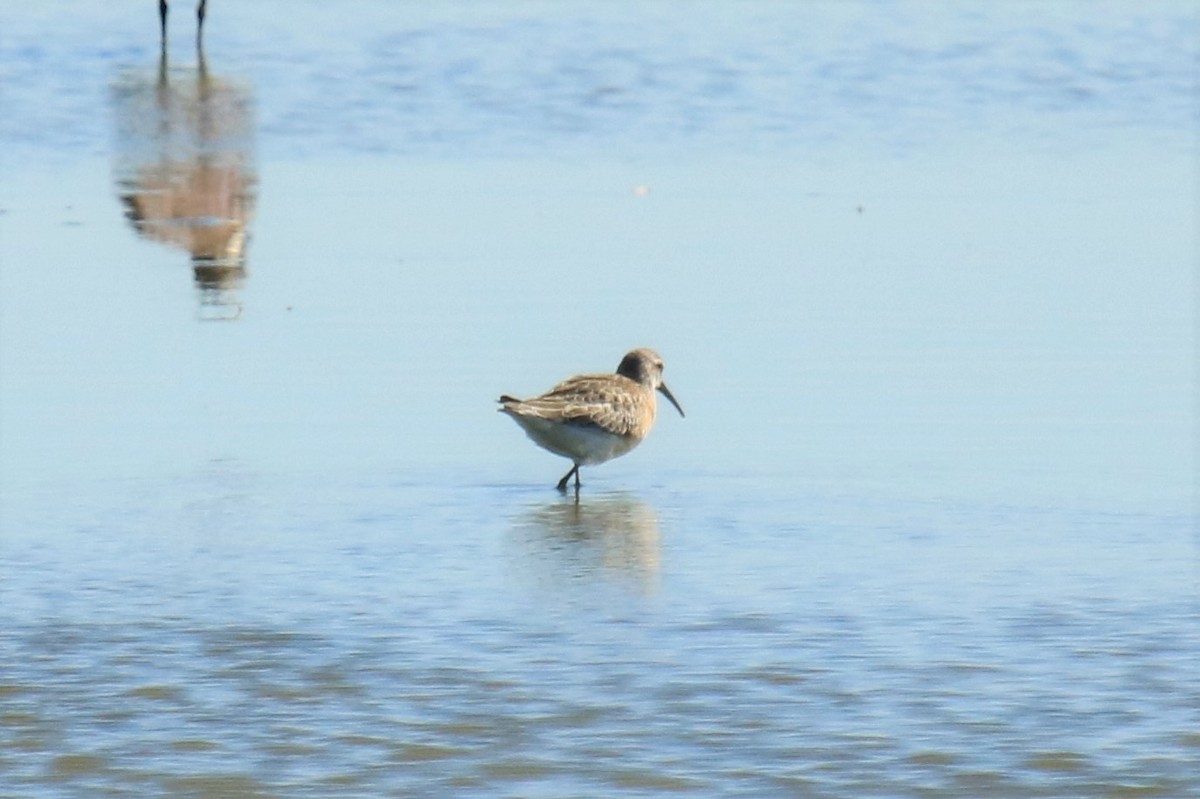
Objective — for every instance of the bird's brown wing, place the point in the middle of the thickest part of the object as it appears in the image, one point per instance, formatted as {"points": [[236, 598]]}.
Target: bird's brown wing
{"points": [[608, 402]]}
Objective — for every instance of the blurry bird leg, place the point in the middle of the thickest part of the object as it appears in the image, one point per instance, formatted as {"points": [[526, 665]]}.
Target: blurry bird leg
{"points": [[562, 484]]}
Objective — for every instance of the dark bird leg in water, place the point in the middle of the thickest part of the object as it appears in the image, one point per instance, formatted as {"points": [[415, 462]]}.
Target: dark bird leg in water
{"points": [[562, 484], [201, 11]]}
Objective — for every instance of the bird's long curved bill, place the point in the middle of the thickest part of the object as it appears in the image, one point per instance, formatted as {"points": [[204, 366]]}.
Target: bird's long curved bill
{"points": [[666, 392]]}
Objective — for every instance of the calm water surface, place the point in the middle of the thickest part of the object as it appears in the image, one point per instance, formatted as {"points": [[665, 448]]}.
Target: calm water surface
{"points": [[924, 282]]}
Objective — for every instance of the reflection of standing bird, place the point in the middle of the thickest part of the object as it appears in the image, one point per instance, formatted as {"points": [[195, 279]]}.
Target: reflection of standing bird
{"points": [[608, 536], [594, 418], [185, 171], [162, 18]]}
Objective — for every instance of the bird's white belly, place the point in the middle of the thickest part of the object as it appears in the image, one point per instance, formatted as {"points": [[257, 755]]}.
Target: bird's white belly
{"points": [[582, 444]]}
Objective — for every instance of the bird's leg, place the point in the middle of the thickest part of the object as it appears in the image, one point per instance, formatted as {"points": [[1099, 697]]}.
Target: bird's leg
{"points": [[200, 21], [562, 484], [162, 21]]}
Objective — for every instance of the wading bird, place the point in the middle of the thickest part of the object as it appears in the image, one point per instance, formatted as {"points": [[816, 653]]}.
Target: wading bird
{"points": [[594, 418]]}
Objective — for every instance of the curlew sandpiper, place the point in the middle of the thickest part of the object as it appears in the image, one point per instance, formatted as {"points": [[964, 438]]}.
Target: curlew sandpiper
{"points": [[594, 418]]}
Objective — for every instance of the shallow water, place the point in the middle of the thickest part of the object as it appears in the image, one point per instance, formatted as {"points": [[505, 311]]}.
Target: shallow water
{"points": [[924, 282]]}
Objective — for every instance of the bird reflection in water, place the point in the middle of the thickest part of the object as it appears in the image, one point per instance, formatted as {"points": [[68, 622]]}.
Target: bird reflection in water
{"points": [[614, 535], [185, 171]]}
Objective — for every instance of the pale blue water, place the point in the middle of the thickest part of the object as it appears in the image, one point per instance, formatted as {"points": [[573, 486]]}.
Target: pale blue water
{"points": [[924, 281]]}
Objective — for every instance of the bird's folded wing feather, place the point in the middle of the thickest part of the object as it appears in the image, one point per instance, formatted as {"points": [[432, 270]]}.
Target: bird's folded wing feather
{"points": [[587, 401]]}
